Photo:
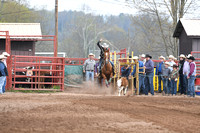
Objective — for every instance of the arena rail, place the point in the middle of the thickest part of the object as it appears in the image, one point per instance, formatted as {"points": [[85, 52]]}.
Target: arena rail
{"points": [[37, 73]]}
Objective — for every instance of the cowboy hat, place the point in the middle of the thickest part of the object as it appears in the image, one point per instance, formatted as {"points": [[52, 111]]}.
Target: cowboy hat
{"points": [[182, 56], [175, 66], [2, 56], [135, 57], [143, 55], [188, 55], [91, 54], [162, 57], [105, 45], [5, 54], [171, 57], [191, 58], [167, 63], [147, 55]]}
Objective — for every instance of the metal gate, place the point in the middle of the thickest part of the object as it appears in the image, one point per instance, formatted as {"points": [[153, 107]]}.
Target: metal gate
{"points": [[37, 73]]}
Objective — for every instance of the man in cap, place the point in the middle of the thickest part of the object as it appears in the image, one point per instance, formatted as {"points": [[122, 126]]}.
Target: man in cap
{"points": [[149, 69], [88, 67], [191, 76], [3, 72], [159, 68], [142, 58], [141, 75], [103, 47], [182, 81]]}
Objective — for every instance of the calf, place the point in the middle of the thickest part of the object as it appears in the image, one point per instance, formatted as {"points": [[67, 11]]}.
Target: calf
{"points": [[122, 84]]}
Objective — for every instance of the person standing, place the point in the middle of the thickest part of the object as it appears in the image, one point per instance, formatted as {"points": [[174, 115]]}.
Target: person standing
{"points": [[171, 63], [3, 72], [174, 77], [182, 83], [159, 68], [185, 72], [149, 70], [165, 78], [125, 70], [191, 76], [6, 55], [141, 75], [88, 67]]}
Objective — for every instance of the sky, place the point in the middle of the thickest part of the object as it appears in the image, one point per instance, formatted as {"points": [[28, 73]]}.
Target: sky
{"points": [[103, 7]]}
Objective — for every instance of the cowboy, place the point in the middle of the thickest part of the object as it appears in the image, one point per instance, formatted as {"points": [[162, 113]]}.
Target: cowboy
{"points": [[142, 58], [141, 74], [191, 76], [149, 70], [165, 78], [3, 72], [6, 55], [159, 68], [126, 70], [103, 47], [185, 72], [88, 67], [182, 81]]}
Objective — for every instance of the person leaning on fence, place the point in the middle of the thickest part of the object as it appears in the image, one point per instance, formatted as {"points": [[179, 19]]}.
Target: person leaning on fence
{"points": [[182, 80], [191, 76], [142, 58], [6, 55], [125, 70], [159, 68], [88, 67], [173, 78], [149, 70], [165, 77], [141, 75], [3, 72]]}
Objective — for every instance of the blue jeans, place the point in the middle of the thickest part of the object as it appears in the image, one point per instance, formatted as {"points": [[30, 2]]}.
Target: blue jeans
{"points": [[159, 82], [149, 83], [191, 90], [165, 85], [4, 87], [174, 86], [89, 75], [186, 84], [169, 86], [2, 80], [141, 82]]}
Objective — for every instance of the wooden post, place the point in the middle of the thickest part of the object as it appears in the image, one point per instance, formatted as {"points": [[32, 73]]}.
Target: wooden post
{"points": [[56, 30], [137, 76], [115, 63]]}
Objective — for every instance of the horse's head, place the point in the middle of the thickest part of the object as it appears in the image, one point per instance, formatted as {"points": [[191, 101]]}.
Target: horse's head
{"points": [[106, 55]]}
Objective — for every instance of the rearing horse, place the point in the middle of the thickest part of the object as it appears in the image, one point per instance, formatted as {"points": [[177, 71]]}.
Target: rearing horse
{"points": [[106, 69]]}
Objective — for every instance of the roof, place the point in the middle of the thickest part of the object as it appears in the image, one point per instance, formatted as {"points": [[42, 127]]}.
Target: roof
{"points": [[191, 26], [21, 29]]}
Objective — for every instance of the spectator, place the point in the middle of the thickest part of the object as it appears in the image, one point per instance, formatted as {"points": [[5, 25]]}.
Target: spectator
{"points": [[171, 62], [149, 70], [191, 76], [141, 75], [3, 72], [126, 70], [88, 67], [142, 58], [165, 77], [174, 77], [185, 72], [6, 55], [159, 68], [182, 81]]}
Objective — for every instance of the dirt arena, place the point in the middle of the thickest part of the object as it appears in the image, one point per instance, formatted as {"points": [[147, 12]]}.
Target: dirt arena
{"points": [[99, 113]]}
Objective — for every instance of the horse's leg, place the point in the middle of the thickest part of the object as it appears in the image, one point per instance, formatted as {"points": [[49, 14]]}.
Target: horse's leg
{"points": [[111, 75], [125, 90], [104, 77]]}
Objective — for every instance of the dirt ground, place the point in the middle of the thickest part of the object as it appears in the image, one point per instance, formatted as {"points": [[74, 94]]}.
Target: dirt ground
{"points": [[97, 113]]}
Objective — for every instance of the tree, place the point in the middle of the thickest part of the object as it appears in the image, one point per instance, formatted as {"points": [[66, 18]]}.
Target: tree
{"points": [[167, 10]]}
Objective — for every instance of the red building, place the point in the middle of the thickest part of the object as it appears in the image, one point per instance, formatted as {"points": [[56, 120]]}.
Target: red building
{"points": [[20, 45]]}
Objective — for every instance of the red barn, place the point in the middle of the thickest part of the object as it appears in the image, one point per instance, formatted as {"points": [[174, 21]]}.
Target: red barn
{"points": [[23, 45]]}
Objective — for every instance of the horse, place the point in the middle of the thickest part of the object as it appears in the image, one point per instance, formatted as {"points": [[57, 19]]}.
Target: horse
{"points": [[122, 84], [106, 69]]}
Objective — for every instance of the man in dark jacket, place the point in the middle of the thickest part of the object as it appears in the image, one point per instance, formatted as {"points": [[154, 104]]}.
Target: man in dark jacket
{"points": [[103, 47], [182, 82], [3, 73], [126, 70], [149, 69]]}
